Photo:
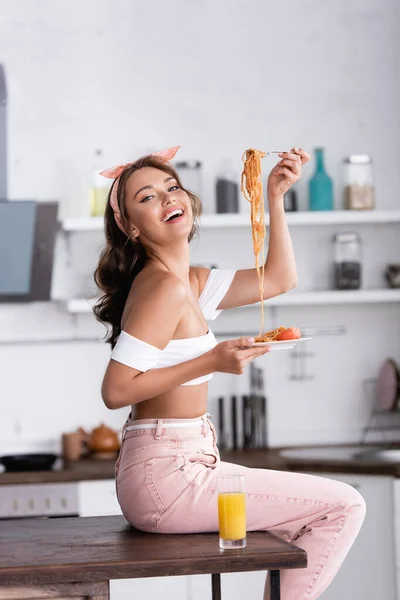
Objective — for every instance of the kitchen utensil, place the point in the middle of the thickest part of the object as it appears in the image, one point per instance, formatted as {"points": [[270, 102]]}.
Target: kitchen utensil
{"points": [[28, 462], [347, 261], [246, 417], [283, 345], [234, 423], [104, 442], [72, 446], [221, 424], [388, 386], [358, 185]]}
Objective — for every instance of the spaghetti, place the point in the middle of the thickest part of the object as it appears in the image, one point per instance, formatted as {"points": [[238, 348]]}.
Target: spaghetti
{"points": [[252, 190]]}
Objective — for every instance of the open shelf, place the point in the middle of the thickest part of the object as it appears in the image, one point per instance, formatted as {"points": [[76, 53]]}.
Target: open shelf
{"points": [[302, 218], [80, 305]]}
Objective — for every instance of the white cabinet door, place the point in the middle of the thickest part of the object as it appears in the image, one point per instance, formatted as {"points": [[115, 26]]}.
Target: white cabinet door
{"points": [[368, 572], [98, 498]]}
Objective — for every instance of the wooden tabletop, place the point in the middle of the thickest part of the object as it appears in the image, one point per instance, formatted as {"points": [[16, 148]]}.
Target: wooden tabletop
{"points": [[34, 551]]}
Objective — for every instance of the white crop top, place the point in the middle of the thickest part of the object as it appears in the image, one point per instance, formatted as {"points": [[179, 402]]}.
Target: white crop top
{"points": [[142, 356]]}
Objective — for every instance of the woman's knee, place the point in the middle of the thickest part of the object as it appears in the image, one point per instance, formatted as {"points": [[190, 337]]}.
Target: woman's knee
{"points": [[354, 504]]}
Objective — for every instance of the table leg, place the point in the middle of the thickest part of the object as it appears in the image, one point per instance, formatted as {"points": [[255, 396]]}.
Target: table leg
{"points": [[275, 585], [216, 586]]}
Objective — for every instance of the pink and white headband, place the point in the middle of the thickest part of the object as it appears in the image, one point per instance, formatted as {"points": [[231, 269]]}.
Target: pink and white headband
{"points": [[114, 172]]}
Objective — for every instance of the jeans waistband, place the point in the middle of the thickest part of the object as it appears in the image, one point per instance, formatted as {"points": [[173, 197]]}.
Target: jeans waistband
{"points": [[198, 424]]}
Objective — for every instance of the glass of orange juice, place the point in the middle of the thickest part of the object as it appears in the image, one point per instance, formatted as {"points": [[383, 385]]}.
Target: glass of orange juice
{"points": [[231, 511]]}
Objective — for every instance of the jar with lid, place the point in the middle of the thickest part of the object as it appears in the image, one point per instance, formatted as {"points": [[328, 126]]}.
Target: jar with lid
{"points": [[189, 172], [358, 185], [227, 189], [347, 261]]}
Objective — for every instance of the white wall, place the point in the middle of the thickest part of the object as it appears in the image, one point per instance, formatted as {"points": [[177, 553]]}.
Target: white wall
{"points": [[215, 77]]}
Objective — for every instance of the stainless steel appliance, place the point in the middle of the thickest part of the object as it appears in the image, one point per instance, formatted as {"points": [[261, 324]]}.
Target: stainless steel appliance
{"points": [[39, 500], [27, 239], [3, 135]]}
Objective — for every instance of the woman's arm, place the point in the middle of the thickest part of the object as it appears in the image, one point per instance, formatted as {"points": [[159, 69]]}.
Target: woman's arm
{"points": [[280, 266], [135, 386], [156, 311]]}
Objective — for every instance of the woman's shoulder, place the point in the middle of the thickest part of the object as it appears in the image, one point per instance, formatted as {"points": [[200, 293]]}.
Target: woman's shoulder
{"points": [[155, 292], [156, 282]]}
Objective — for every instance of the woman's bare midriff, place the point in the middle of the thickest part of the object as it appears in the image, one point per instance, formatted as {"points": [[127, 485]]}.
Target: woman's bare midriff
{"points": [[182, 402], [185, 402]]}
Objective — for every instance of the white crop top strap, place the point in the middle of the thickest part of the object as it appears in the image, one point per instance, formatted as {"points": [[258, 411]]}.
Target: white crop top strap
{"points": [[142, 356], [135, 353], [217, 284]]}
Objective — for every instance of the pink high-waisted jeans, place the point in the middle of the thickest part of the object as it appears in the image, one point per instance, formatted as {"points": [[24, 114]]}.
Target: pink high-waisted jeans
{"points": [[166, 482]]}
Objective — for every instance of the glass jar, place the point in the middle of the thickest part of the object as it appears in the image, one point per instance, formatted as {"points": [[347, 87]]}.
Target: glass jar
{"points": [[189, 172], [347, 261], [358, 185], [98, 193], [227, 189]]}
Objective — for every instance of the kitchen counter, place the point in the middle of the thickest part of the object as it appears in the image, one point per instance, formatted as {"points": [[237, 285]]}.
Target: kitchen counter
{"points": [[339, 459]]}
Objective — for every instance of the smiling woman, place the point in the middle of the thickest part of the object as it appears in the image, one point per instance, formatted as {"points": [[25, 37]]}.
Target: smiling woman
{"points": [[163, 355]]}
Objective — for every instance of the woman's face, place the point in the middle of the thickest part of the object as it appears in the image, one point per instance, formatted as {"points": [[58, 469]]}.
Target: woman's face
{"points": [[152, 197]]}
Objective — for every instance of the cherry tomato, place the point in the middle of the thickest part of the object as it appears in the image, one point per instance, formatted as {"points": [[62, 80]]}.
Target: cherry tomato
{"points": [[291, 333]]}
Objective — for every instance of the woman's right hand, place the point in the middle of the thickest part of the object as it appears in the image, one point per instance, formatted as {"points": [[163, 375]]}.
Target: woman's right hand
{"points": [[233, 355]]}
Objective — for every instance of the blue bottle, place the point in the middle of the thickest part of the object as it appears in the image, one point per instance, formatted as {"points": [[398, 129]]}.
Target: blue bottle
{"points": [[320, 185]]}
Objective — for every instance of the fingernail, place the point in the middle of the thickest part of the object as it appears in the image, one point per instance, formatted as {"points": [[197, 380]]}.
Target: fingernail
{"points": [[296, 150], [280, 153], [250, 340]]}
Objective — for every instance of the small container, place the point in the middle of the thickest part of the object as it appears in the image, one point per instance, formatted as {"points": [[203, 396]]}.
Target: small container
{"points": [[227, 190], [189, 172], [347, 261], [358, 185], [72, 447], [231, 512], [290, 201], [98, 193]]}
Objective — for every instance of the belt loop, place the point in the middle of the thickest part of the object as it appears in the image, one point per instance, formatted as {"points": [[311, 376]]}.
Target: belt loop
{"points": [[204, 427], [159, 427]]}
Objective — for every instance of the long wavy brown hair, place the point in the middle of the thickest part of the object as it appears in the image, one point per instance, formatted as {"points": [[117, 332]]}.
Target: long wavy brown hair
{"points": [[121, 259]]}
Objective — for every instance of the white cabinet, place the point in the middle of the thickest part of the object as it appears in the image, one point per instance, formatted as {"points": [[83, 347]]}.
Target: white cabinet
{"points": [[368, 572], [98, 498]]}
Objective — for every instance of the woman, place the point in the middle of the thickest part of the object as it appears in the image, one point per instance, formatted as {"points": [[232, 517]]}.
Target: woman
{"points": [[163, 354]]}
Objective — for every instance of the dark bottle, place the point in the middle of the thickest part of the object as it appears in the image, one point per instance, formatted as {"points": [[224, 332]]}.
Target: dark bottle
{"points": [[227, 191]]}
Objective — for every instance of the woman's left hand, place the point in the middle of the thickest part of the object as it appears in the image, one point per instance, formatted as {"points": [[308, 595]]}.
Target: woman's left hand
{"points": [[286, 172]]}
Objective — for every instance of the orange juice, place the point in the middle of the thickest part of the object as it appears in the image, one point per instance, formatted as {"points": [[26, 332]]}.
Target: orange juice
{"points": [[232, 515]]}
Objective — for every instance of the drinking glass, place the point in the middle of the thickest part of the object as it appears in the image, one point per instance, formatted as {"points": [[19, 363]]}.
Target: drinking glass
{"points": [[231, 511]]}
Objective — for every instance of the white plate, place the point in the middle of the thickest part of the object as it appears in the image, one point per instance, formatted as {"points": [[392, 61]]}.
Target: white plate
{"points": [[283, 345]]}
